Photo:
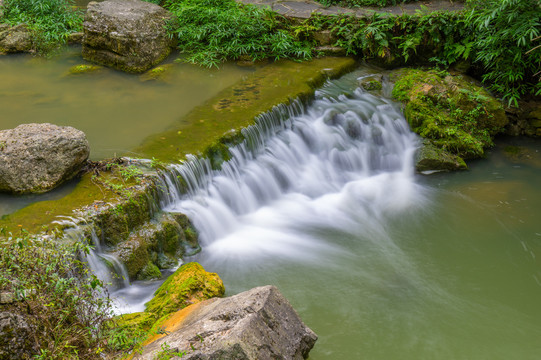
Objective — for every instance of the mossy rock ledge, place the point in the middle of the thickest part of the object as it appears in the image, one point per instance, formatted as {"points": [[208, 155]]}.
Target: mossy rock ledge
{"points": [[455, 116], [190, 284]]}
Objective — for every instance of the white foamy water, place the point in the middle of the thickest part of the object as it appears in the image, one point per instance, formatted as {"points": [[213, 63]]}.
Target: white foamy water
{"points": [[344, 164]]}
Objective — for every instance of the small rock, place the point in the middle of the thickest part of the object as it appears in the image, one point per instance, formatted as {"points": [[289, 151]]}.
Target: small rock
{"points": [[430, 159], [371, 83], [6, 297], [331, 50], [159, 73]]}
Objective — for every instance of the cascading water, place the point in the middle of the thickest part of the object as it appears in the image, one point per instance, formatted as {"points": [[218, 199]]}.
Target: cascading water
{"points": [[322, 202], [346, 161], [105, 266]]}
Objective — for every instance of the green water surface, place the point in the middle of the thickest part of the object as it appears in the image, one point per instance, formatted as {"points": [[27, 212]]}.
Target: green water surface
{"points": [[457, 278]]}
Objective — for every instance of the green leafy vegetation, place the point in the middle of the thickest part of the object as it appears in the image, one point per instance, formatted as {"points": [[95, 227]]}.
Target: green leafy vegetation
{"points": [[66, 306], [167, 353], [51, 21], [212, 31], [495, 38], [505, 31]]}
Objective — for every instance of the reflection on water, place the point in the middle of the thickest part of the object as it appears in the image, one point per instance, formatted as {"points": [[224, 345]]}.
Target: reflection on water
{"points": [[115, 110]]}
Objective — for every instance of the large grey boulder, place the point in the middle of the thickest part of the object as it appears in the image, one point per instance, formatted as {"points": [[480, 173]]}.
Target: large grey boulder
{"points": [[258, 324], [128, 35], [15, 39], [35, 158]]}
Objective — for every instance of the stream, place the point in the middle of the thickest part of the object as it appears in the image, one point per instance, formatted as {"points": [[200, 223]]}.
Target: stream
{"points": [[380, 262]]}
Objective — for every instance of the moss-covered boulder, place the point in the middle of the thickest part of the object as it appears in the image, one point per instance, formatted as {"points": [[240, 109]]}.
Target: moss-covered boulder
{"points": [[371, 83], [190, 284], [457, 115], [156, 244]]}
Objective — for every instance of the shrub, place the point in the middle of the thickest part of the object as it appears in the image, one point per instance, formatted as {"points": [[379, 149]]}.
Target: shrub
{"points": [[399, 40], [212, 31], [505, 31], [66, 307], [51, 21]]}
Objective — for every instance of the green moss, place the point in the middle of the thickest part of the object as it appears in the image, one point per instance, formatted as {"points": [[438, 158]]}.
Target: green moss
{"points": [[239, 105], [190, 283], [157, 73], [451, 111], [371, 85], [83, 69], [33, 217], [137, 256], [149, 272]]}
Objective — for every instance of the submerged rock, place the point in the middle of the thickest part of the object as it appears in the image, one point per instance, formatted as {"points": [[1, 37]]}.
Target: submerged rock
{"points": [[431, 158], [371, 83], [128, 35], [254, 325], [159, 73], [35, 158], [83, 69], [15, 39], [453, 112]]}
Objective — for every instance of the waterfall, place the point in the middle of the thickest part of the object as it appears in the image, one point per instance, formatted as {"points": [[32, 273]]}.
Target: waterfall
{"points": [[339, 161], [344, 163], [105, 266]]}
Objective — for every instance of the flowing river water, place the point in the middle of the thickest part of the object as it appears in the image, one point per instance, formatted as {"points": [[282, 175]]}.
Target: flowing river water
{"points": [[380, 262]]}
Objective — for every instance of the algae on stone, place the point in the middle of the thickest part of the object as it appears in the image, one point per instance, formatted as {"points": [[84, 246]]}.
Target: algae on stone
{"points": [[218, 122], [83, 69]]}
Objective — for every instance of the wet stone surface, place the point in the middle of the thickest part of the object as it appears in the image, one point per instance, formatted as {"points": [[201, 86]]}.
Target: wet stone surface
{"points": [[304, 8]]}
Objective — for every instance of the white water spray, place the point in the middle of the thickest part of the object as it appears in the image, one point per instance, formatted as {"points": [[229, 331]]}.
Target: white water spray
{"points": [[345, 163]]}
